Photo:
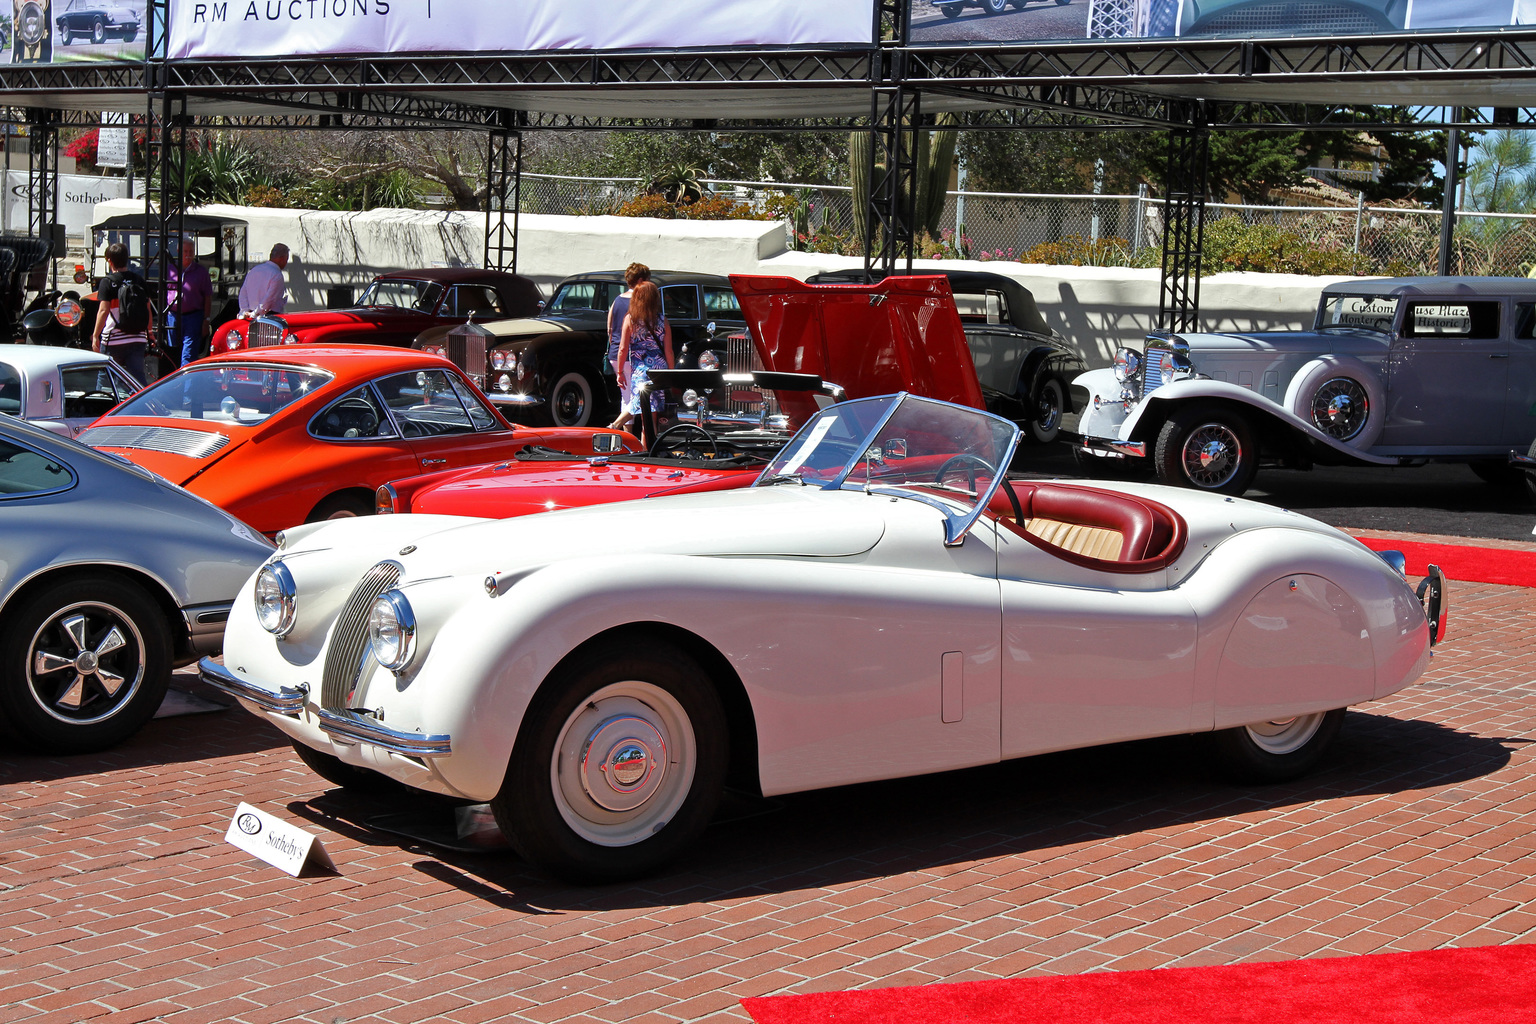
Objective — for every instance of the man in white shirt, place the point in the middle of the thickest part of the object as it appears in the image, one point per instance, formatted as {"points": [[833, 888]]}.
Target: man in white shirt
{"points": [[263, 290]]}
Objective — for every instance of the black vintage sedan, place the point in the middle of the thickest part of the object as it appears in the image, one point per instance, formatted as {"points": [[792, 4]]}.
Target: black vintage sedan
{"points": [[556, 365], [96, 20]]}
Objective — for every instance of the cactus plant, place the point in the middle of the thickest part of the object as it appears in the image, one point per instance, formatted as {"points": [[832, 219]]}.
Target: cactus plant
{"points": [[930, 181]]}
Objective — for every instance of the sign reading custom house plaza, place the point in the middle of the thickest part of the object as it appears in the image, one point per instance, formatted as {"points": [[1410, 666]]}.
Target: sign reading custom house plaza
{"points": [[209, 29]]}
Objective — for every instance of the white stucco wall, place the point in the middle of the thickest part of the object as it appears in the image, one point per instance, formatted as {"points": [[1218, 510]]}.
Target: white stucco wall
{"points": [[1099, 309]]}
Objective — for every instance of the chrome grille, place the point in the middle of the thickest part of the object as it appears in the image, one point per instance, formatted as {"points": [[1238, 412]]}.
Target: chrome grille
{"points": [[194, 444], [264, 333], [1158, 370], [1289, 17], [348, 650], [741, 357]]}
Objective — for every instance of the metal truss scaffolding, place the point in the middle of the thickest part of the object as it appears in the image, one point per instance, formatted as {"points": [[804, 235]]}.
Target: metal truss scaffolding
{"points": [[503, 198], [42, 178], [1178, 299]]}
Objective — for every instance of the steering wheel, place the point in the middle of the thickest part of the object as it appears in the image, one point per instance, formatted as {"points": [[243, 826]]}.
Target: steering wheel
{"points": [[109, 396], [689, 449], [965, 461]]}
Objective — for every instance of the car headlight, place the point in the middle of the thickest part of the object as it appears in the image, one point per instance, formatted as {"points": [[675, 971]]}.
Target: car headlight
{"points": [[275, 599], [231, 339], [503, 383], [708, 360], [1127, 362], [690, 399], [498, 360], [392, 630]]}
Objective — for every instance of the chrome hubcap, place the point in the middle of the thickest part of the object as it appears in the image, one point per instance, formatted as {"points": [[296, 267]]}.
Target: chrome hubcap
{"points": [[624, 763], [1212, 455], [85, 663]]}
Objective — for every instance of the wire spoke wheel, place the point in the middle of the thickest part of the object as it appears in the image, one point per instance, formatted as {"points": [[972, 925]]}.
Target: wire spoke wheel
{"points": [[85, 663], [1340, 408], [1211, 455]]}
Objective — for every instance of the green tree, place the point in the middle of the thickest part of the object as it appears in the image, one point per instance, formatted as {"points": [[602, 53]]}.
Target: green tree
{"points": [[1501, 178]]}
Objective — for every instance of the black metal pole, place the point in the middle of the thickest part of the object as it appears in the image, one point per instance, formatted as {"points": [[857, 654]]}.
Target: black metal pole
{"points": [[1448, 201]]}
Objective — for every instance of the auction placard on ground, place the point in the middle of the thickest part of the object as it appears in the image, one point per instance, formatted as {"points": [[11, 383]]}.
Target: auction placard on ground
{"points": [[275, 841], [212, 29]]}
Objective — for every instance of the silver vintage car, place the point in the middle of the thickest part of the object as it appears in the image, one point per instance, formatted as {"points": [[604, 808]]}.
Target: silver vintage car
{"points": [[1395, 371], [110, 577], [63, 390]]}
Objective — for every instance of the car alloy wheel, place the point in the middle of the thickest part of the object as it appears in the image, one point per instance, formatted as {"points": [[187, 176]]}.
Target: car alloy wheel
{"points": [[84, 662], [1285, 735], [98, 31], [995, 6]]}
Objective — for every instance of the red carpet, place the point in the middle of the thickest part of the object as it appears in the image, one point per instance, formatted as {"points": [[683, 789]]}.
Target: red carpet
{"points": [[1487, 985], [1464, 562]]}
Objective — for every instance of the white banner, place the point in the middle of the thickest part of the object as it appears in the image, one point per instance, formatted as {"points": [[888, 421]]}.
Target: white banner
{"points": [[205, 29], [78, 196]]}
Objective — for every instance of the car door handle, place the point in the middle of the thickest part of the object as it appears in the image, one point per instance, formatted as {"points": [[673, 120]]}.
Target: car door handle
{"points": [[433, 462], [1498, 355]]}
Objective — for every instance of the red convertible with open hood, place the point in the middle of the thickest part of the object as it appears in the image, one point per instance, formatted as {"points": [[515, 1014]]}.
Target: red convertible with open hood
{"points": [[292, 435], [903, 334]]}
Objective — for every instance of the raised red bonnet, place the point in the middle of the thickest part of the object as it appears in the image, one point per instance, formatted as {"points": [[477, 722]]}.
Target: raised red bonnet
{"points": [[903, 334]]}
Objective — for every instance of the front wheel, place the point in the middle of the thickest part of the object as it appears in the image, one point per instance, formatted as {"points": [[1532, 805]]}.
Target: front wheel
{"points": [[348, 776], [1208, 448], [952, 11], [620, 763], [570, 399], [98, 31], [84, 663], [340, 506], [995, 6], [1275, 751]]}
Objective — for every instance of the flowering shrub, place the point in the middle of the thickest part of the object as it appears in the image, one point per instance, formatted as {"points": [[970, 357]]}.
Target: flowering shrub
{"points": [[648, 205], [1077, 251]]}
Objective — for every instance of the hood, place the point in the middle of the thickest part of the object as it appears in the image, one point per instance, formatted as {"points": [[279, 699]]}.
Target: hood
{"points": [[518, 488], [1306, 342], [177, 453], [903, 334], [777, 521]]}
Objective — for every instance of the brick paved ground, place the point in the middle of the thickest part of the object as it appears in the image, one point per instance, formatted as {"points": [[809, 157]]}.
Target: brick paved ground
{"points": [[120, 902]]}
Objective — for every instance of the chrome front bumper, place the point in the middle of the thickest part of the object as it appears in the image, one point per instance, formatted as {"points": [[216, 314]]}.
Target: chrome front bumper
{"points": [[348, 726]]}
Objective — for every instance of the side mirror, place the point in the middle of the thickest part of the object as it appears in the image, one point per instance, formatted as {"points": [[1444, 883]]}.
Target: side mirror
{"points": [[607, 443], [67, 312]]}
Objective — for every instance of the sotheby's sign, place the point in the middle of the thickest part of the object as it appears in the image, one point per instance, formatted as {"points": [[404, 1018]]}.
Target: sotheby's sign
{"points": [[206, 29], [275, 841]]}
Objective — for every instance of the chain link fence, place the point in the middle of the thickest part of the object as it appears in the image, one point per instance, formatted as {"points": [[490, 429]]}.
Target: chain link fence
{"points": [[1100, 229]]}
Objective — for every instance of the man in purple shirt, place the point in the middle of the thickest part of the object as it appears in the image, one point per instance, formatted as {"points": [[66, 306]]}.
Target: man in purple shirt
{"points": [[189, 304]]}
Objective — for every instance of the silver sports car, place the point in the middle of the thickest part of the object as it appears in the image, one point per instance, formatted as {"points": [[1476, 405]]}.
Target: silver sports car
{"points": [[110, 576]]}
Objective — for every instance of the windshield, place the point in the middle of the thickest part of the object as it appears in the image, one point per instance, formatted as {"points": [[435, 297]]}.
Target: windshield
{"points": [[239, 393], [1366, 312], [421, 296], [946, 455]]}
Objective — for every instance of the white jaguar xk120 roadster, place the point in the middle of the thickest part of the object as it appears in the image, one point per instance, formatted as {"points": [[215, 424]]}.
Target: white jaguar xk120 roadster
{"points": [[881, 603]]}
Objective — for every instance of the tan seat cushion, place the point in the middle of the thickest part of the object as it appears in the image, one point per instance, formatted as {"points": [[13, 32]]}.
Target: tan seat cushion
{"points": [[1089, 541]]}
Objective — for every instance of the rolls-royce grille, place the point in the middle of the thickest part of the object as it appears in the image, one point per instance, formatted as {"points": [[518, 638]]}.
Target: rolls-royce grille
{"points": [[348, 651], [194, 444], [263, 333], [1288, 18]]}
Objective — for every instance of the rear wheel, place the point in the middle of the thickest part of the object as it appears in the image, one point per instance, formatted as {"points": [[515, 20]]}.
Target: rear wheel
{"points": [[1275, 751], [1499, 474], [571, 399], [84, 663], [620, 763], [952, 11], [995, 6], [1208, 448], [340, 506], [1047, 407]]}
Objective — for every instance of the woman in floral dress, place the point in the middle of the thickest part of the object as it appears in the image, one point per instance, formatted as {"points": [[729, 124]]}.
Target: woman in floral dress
{"points": [[645, 345]]}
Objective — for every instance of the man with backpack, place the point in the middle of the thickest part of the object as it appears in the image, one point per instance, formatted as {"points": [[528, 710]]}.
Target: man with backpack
{"points": [[124, 323]]}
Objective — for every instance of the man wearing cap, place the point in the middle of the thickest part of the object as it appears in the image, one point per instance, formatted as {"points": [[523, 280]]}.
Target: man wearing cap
{"points": [[189, 304], [263, 290]]}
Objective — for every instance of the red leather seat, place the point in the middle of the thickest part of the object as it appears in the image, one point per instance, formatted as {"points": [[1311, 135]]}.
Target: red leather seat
{"points": [[1151, 534]]}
